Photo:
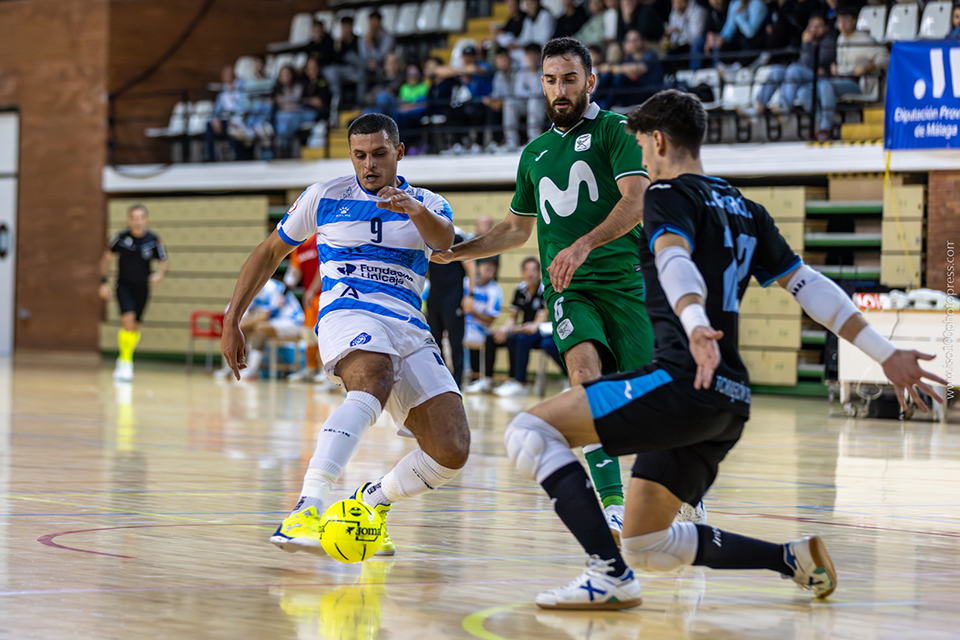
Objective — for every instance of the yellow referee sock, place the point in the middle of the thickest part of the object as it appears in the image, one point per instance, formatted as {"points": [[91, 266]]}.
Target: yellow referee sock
{"points": [[127, 340]]}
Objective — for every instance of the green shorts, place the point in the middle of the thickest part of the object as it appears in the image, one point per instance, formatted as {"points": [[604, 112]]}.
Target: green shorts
{"points": [[615, 321]]}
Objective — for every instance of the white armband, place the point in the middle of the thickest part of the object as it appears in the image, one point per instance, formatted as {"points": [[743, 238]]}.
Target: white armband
{"points": [[678, 275], [693, 316], [821, 298], [873, 344]]}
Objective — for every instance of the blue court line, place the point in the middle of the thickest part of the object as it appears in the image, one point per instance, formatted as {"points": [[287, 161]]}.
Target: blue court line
{"points": [[216, 513]]}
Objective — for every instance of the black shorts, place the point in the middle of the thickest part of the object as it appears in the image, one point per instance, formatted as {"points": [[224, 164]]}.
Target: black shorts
{"points": [[132, 297], [679, 436]]}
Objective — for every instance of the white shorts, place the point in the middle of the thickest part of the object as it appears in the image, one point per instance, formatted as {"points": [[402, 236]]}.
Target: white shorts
{"points": [[286, 329], [419, 371]]}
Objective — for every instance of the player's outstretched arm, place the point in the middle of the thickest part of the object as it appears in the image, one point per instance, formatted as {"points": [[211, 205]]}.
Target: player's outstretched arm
{"points": [[258, 268], [435, 230], [827, 303], [509, 234], [626, 215], [686, 291]]}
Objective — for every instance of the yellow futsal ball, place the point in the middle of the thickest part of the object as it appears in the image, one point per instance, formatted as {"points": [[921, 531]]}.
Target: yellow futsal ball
{"points": [[350, 531]]}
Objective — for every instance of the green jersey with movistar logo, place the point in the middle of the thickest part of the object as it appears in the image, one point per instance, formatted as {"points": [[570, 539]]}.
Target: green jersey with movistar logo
{"points": [[569, 180]]}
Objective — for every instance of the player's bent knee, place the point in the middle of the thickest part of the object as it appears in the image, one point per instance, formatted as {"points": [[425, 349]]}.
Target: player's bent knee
{"points": [[535, 448], [662, 551]]}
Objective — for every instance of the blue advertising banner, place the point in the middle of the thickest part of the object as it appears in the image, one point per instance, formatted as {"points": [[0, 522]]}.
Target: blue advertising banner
{"points": [[923, 96]]}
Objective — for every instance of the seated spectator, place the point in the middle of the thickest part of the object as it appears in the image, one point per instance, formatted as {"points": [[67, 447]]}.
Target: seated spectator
{"points": [[716, 19], [527, 102], [442, 83], [601, 91], [316, 93], [411, 107], [593, 31], [506, 34], [611, 21], [502, 90], [684, 33], [256, 123], [385, 85], [320, 47], [376, 43], [638, 75], [859, 62], [274, 313], [523, 334], [482, 310], [227, 115], [797, 79], [348, 67], [538, 28], [574, 16], [792, 19], [743, 30], [955, 24], [289, 113], [645, 16], [466, 104]]}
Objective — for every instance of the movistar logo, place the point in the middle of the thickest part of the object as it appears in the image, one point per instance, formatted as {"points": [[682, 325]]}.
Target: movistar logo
{"points": [[564, 202]]}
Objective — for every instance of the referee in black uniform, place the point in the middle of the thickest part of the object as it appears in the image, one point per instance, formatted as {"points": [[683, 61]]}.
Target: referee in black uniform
{"points": [[137, 248]]}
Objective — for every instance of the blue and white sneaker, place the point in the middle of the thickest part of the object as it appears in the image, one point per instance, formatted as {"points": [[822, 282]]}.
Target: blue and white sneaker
{"points": [[812, 567], [689, 513], [614, 517], [594, 589]]}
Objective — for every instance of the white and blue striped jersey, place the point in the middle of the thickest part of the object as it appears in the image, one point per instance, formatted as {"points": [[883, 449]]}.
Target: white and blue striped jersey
{"points": [[371, 260], [275, 299]]}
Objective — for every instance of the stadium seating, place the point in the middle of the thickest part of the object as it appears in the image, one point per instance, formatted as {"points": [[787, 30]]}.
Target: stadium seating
{"points": [[873, 20], [428, 19], [902, 24], [177, 125], [407, 19], [454, 16], [389, 13], [300, 28], [935, 23]]}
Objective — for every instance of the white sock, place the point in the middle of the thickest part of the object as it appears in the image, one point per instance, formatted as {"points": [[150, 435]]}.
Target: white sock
{"points": [[589, 448], [337, 441], [415, 475]]}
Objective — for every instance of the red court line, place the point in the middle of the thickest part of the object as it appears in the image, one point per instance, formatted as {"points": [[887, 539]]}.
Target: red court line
{"points": [[840, 524], [48, 539]]}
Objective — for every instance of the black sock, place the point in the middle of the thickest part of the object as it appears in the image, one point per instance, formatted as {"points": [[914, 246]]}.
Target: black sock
{"points": [[722, 550], [576, 504]]}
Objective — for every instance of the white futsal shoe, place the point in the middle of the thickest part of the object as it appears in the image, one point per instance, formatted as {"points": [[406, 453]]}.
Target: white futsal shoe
{"points": [[812, 567], [594, 589], [614, 516], [304, 375], [123, 372], [689, 513]]}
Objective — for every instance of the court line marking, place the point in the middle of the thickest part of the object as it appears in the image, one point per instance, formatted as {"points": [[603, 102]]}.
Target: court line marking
{"points": [[473, 623], [48, 538], [843, 524]]}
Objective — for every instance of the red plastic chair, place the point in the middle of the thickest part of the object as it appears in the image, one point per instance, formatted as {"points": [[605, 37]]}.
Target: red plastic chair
{"points": [[204, 324]]}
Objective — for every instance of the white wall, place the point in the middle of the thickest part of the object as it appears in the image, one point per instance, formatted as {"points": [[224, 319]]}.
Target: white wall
{"points": [[9, 148]]}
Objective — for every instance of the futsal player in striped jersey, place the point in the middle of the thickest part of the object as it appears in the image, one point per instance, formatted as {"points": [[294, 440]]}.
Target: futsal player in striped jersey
{"points": [[375, 235]]}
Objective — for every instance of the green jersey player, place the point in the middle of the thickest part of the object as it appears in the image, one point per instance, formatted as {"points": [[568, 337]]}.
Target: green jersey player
{"points": [[583, 182]]}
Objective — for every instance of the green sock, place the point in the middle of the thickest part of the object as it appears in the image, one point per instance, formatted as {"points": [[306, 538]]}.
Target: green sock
{"points": [[605, 472]]}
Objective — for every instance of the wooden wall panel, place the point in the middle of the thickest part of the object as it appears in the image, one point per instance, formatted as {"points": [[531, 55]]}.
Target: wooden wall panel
{"points": [[53, 68]]}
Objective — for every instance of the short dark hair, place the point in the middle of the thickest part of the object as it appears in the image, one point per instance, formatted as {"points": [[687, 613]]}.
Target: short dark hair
{"points": [[566, 47], [494, 260], [374, 123], [816, 16], [375, 14], [136, 206], [678, 116], [501, 50], [346, 20], [523, 265], [533, 47], [848, 9]]}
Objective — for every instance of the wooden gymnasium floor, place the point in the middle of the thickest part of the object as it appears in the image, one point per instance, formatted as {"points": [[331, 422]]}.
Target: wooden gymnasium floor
{"points": [[143, 512]]}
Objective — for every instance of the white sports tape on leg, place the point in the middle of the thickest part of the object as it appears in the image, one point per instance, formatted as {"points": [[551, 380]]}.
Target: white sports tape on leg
{"points": [[663, 550], [536, 448]]}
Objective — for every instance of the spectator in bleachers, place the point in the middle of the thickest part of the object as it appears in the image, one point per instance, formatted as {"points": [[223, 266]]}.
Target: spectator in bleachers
{"points": [[955, 24], [316, 93], [376, 43], [256, 123], [611, 20], [506, 34], [411, 107], [601, 91], [467, 110], [289, 113], [482, 310], [859, 61], [523, 334], [320, 47], [227, 114], [792, 19], [637, 76], [716, 19], [442, 85], [644, 16], [348, 67], [684, 33], [538, 27], [527, 103], [502, 90], [386, 82], [572, 19], [593, 31], [797, 79], [743, 30]]}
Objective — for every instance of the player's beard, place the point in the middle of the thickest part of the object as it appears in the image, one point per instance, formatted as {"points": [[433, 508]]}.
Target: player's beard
{"points": [[570, 116]]}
